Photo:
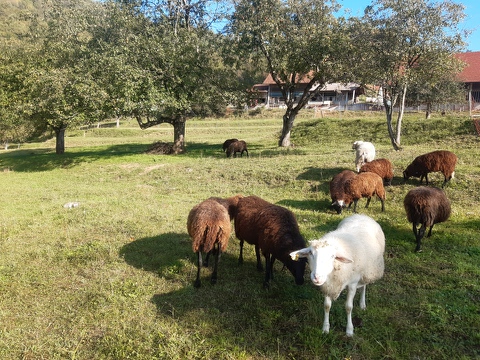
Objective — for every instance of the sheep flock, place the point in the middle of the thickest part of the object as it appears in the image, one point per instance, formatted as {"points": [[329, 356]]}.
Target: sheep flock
{"points": [[349, 257]]}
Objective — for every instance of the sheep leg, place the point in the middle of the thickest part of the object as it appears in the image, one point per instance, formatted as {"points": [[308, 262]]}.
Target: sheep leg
{"points": [[198, 283], [352, 289], [269, 260], [259, 259], [430, 231], [426, 179], [213, 279], [207, 257], [383, 204], [355, 205], [240, 258], [419, 236], [363, 304], [327, 304], [368, 202]]}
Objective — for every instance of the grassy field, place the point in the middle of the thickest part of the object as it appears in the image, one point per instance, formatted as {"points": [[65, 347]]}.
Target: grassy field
{"points": [[113, 277]]}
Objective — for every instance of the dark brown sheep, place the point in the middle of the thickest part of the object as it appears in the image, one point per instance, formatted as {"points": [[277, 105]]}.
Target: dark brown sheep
{"points": [[209, 226], [227, 143], [381, 167], [426, 206], [237, 146], [440, 160], [365, 184], [340, 199], [272, 229]]}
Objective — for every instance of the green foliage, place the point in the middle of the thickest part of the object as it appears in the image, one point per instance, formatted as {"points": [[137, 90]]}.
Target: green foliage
{"points": [[113, 277]]}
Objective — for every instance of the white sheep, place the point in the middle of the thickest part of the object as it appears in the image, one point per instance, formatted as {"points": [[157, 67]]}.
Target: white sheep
{"points": [[349, 257], [364, 152]]}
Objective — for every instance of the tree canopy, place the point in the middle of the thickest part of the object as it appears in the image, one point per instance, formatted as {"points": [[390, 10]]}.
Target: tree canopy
{"points": [[400, 41], [66, 62], [301, 41]]}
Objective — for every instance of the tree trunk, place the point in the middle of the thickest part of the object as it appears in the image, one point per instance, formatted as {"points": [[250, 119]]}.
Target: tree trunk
{"points": [[288, 120], [400, 116], [60, 140], [428, 113], [389, 113], [179, 135]]}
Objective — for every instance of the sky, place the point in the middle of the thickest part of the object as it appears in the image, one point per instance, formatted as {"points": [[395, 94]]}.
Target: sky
{"points": [[471, 22]]}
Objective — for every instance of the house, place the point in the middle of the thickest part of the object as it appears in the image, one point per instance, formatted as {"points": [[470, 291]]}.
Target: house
{"points": [[471, 75], [269, 94]]}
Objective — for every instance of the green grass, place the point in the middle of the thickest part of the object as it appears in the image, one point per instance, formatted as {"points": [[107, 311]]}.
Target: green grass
{"points": [[113, 278]]}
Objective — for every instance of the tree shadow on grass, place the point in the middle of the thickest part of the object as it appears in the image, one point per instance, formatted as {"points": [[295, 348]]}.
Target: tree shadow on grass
{"points": [[33, 160]]}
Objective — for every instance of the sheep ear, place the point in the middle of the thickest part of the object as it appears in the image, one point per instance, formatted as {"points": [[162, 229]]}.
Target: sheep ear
{"points": [[302, 253]]}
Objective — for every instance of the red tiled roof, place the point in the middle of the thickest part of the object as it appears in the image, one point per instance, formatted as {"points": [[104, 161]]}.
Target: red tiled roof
{"points": [[471, 72], [269, 80]]}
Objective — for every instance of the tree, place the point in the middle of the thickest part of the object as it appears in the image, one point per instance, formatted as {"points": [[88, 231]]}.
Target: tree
{"points": [[58, 89], [300, 40], [395, 38], [438, 84], [167, 65]]}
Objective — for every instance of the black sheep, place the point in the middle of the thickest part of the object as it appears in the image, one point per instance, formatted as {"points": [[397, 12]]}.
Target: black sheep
{"points": [[426, 206], [237, 146], [227, 143], [272, 229]]}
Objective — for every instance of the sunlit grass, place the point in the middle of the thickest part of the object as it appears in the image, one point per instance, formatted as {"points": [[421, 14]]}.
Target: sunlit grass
{"points": [[112, 278]]}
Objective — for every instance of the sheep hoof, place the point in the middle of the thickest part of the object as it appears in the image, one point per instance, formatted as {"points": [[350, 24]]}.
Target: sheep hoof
{"points": [[197, 283], [213, 281], [266, 285]]}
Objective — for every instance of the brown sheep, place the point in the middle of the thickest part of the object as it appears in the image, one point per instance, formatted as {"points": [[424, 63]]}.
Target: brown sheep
{"points": [[209, 226], [365, 184], [272, 229], [426, 206], [337, 192], [381, 167], [237, 146], [227, 143], [440, 160], [248, 207]]}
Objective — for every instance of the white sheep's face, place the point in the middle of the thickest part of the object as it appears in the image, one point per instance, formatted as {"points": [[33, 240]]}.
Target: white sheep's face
{"points": [[321, 259]]}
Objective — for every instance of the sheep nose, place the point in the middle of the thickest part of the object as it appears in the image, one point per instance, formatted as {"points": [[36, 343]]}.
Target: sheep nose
{"points": [[318, 279]]}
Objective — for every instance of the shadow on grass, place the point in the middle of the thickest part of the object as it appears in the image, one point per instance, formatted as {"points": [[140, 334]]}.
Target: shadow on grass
{"points": [[33, 160], [157, 254], [46, 159]]}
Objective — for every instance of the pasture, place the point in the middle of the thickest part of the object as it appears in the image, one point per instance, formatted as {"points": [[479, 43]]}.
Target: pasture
{"points": [[113, 277]]}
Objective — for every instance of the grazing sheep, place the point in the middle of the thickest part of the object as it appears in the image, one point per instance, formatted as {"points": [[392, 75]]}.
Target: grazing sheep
{"points": [[381, 167], [364, 152], [247, 213], [426, 206], [365, 184], [349, 257], [337, 192], [209, 226], [227, 143], [237, 146], [440, 160], [272, 229]]}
